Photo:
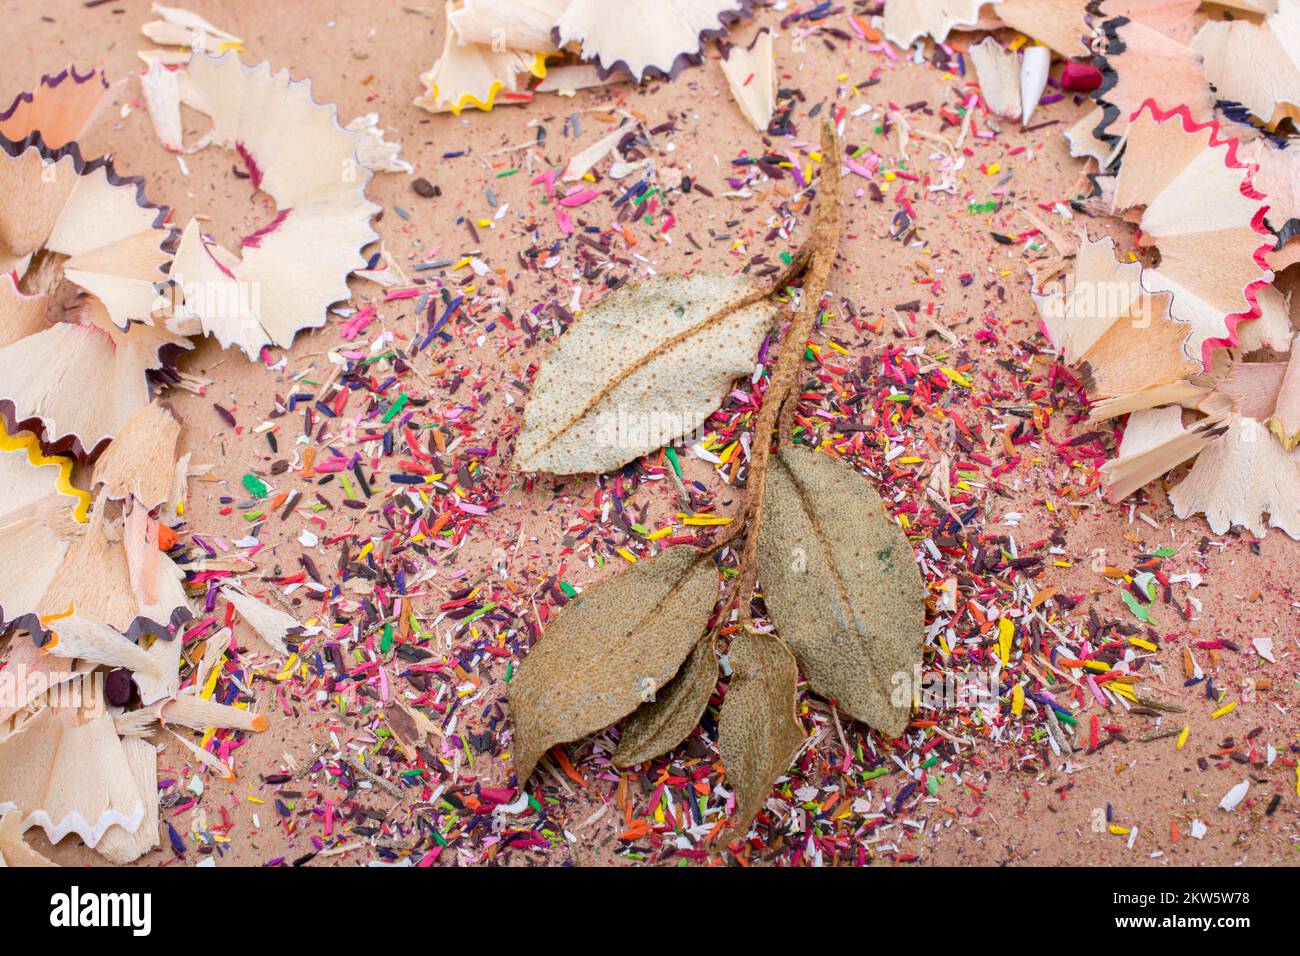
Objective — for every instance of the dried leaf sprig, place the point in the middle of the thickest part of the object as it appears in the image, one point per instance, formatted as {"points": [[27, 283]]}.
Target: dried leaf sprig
{"points": [[840, 582]]}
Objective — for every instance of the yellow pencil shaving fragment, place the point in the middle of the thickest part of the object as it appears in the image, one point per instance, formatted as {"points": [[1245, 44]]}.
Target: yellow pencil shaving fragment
{"points": [[707, 520], [1100, 666], [1225, 709], [1182, 737], [956, 376], [1118, 830], [210, 685], [1123, 690], [288, 668], [1006, 630], [1017, 700]]}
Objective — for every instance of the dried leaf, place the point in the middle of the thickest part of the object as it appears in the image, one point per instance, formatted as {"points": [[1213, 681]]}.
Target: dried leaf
{"points": [[662, 724], [647, 365], [841, 584], [611, 648], [758, 734]]}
